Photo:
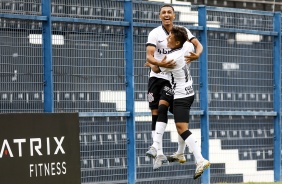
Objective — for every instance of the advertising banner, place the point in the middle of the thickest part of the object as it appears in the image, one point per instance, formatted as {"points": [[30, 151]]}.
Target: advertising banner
{"points": [[39, 148]]}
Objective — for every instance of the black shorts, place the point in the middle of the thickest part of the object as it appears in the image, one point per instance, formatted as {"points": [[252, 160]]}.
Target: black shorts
{"points": [[181, 109], [159, 89]]}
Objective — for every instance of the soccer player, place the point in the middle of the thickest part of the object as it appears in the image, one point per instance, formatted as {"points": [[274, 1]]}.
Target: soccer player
{"points": [[160, 95], [181, 82]]}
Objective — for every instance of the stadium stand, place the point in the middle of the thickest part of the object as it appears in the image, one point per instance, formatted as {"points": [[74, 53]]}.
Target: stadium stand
{"points": [[266, 5]]}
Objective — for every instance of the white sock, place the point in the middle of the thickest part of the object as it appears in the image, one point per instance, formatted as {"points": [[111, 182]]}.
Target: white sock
{"points": [[181, 145], [158, 138], [194, 147], [153, 133]]}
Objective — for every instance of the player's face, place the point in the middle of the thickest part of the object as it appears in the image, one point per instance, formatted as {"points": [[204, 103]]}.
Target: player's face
{"points": [[167, 15], [171, 42]]}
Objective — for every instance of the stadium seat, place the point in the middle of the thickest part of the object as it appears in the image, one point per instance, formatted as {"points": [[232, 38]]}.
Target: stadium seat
{"points": [[143, 160], [246, 133], [234, 134], [212, 134], [259, 133], [245, 154], [222, 134], [268, 153], [258, 154], [117, 162], [265, 165]]}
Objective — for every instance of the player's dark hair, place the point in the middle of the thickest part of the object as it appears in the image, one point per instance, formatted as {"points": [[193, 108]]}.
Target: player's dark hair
{"points": [[166, 5], [180, 34]]}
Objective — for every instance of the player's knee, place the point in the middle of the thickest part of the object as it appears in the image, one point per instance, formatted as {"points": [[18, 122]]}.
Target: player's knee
{"points": [[162, 113], [181, 127]]}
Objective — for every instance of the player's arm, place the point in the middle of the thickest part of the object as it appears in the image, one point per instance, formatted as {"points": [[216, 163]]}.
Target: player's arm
{"points": [[150, 50], [194, 55], [154, 68]]}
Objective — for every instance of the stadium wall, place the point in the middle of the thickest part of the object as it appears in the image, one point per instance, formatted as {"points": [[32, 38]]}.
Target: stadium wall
{"points": [[88, 56]]}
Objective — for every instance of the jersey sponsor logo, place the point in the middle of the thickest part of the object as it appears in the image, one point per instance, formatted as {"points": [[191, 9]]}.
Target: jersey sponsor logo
{"points": [[150, 97], [163, 51], [189, 90], [168, 91], [160, 41]]}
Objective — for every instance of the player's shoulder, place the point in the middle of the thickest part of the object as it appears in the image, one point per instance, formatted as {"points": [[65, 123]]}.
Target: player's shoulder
{"points": [[188, 31], [156, 29], [187, 48], [188, 44]]}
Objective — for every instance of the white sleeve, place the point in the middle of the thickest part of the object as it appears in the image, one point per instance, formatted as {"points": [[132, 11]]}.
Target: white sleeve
{"points": [[190, 35], [188, 47], [152, 38]]}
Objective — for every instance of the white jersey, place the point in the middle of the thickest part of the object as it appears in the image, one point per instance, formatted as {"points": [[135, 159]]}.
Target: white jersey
{"points": [[158, 38], [181, 79]]}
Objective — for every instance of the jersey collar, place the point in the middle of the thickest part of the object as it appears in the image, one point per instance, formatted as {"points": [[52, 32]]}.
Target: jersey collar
{"points": [[165, 30], [173, 50]]}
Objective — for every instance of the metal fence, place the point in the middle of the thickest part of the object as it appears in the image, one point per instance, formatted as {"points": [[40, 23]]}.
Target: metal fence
{"points": [[87, 56]]}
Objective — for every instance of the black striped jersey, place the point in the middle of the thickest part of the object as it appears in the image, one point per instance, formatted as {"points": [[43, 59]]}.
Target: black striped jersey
{"points": [[158, 38], [181, 79]]}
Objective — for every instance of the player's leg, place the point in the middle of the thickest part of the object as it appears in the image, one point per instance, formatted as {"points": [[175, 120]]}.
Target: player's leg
{"points": [[181, 115], [177, 156], [153, 97], [166, 97], [154, 113], [156, 148], [155, 87], [160, 126], [201, 163]]}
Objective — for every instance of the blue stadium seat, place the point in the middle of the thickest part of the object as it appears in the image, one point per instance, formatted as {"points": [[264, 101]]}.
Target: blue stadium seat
{"points": [[143, 160], [117, 162], [99, 163], [189, 157], [246, 143], [87, 163], [87, 139], [94, 175], [245, 154], [19, 7], [222, 134], [246, 133], [259, 133], [85, 10], [269, 153], [265, 165], [217, 168], [270, 132], [6, 6], [258, 154], [234, 134], [212, 134]]}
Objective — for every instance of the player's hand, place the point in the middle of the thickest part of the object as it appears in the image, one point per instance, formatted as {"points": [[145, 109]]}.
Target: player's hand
{"points": [[167, 64], [191, 57], [147, 64]]}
